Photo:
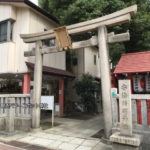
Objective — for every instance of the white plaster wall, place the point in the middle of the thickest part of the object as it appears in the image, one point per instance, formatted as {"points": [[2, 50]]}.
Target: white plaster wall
{"points": [[12, 53], [7, 57], [7, 49], [26, 21], [38, 22], [21, 26], [6, 12], [90, 67]]}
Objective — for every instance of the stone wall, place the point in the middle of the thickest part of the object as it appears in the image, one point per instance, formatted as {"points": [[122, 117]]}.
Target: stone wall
{"points": [[22, 124]]}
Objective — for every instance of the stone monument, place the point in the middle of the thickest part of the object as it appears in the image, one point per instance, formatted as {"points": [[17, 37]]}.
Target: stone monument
{"points": [[125, 139]]}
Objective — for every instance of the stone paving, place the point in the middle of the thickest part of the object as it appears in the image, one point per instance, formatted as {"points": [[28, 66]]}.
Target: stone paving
{"points": [[70, 134], [77, 128], [62, 142]]}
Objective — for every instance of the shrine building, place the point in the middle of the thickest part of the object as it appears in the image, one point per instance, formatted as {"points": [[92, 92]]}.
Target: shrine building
{"points": [[135, 67]]}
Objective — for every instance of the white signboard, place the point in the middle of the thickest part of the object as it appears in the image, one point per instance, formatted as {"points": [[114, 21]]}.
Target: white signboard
{"points": [[47, 102], [125, 107]]}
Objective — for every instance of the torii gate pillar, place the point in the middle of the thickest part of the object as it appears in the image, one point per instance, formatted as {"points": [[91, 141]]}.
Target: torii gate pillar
{"points": [[105, 79], [36, 110]]}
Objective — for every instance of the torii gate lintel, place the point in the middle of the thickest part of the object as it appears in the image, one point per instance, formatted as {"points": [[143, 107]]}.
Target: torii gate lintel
{"points": [[111, 38]]}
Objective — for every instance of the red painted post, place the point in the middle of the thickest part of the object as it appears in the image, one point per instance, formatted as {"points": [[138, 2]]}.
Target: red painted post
{"points": [[26, 83], [113, 81], [142, 83], [61, 95], [139, 112]]}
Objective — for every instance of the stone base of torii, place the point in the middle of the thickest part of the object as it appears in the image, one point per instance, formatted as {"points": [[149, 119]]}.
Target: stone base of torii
{"points": [[99, 24]]}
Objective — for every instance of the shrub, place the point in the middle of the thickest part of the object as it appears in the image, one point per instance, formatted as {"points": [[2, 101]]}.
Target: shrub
{"points": [[87, 88]]}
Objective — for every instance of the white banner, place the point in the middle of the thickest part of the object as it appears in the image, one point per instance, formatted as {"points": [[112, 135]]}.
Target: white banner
{"points": [[138, 83]]}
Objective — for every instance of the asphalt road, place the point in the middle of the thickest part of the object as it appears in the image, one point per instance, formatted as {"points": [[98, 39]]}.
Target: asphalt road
{"points": [[8, 147]]}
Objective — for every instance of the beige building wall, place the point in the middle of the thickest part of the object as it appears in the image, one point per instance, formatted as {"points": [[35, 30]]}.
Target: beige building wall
{"points": [[6, 12], [90, 66], [85, 58], [79, 68], [21, 26]]}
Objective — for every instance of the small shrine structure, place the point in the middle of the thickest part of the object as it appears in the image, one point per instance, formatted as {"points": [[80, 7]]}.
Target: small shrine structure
{"points": [[135, 67]]}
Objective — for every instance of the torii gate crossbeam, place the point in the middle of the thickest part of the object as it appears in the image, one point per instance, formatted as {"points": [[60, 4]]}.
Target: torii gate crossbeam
{"points": [[102, 40], [113, 19]]}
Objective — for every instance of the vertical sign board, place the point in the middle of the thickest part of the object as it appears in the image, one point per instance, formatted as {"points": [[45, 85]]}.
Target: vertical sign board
{"points": [[125, 107], [48, 101], [114, 106]]}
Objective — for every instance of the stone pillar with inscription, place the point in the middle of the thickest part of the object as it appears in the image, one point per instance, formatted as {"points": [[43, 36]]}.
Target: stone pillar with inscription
{"points": [[125, 139]]}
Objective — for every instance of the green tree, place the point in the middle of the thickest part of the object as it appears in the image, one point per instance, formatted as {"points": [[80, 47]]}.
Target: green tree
{"points": [[74, 11], [57, 8], [139, 29], [87, 87]]}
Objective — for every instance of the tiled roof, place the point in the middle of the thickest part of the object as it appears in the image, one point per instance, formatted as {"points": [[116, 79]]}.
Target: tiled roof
{"points": [[53, 71], [134, 63], [32, 5]]}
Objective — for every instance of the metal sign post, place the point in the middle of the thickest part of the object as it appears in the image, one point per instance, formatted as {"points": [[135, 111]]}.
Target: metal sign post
{"points": [[48, 104]]}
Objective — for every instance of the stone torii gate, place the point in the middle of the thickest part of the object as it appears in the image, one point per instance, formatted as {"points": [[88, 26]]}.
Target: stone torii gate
{"points": [[102, 40]]}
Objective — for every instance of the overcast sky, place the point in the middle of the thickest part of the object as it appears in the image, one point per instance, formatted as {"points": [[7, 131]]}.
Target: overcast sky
{"points": [[34, 1]]}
